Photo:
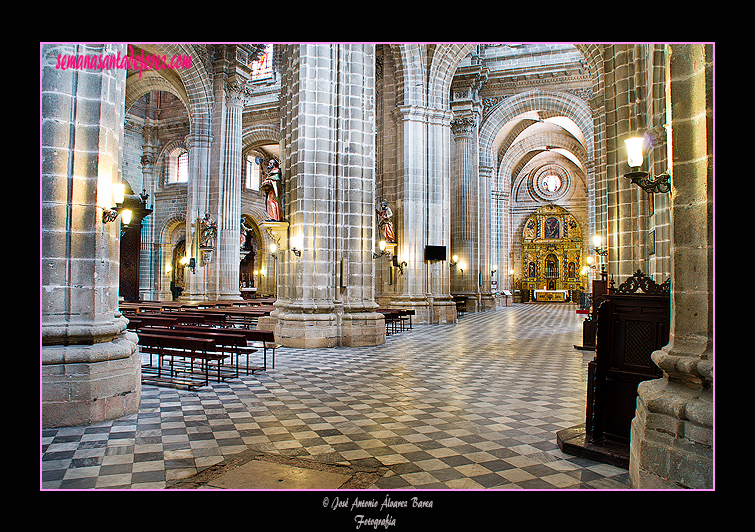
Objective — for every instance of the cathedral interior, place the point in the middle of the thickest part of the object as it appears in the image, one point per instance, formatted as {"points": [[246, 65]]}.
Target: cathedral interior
{"points": [[386, 212]]}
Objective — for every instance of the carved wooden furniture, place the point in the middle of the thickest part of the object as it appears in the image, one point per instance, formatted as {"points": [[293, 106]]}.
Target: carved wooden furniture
{"points": [[589, 326], [632, 322], [630, 327]]}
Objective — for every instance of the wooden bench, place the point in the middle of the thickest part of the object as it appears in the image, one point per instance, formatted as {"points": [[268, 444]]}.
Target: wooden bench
{"points": [[392, 319], [174, 346], [157, 320], [231, 341], [259, 339], [405, 315], [396, 319]]}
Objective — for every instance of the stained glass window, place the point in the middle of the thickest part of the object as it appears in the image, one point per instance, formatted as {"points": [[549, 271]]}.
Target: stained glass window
{"points": [[551, 183], [262, 68]]}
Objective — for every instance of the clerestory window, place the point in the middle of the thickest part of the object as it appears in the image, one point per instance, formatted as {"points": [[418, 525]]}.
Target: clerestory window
{"points": [[252, 181], [178, 166], [262, 68]]}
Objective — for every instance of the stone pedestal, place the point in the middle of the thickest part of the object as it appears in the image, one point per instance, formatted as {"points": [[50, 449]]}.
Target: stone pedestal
{"points": [[672, 437]]}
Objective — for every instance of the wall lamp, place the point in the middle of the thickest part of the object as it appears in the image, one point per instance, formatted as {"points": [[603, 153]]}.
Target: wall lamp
{"points": [[190, 262], [597, 241], [660, 183], [454, 260], [297, 243], [127, 205], [399, 265], [383, 252], [119, 196]]}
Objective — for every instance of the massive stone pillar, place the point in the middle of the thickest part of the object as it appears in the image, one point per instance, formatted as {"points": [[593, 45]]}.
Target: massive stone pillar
{"points": [[326, 294], [422, 212], [672, 432], [90, 364], [470, 195]]}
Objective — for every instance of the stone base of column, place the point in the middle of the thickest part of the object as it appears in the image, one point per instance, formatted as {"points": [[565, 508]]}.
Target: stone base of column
{"points": [[428, 310], [267, 323], [360, 329], [671, 441], [479, 302], [307, 330], [357, 329], [487, 302], [86, 384]]}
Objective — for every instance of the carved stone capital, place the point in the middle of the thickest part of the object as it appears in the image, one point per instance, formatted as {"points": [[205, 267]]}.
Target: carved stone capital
{"points": [[463, 126], [236, 93]]}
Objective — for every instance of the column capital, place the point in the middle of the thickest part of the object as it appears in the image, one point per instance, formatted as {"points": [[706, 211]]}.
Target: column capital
{"points": [[236, 92], [464, 126]]}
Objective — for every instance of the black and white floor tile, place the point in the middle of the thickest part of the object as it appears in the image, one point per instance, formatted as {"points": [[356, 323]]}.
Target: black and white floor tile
{"points": [[475, 405]]}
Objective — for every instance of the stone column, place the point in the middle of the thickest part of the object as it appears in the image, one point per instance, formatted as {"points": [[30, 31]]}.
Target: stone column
{"points": [[90, 364], [229, 216], [149, 270], [199, 143], [672, 432], [422, 213], [464, 210], [470, 194], [624, 203], [326, 295]]}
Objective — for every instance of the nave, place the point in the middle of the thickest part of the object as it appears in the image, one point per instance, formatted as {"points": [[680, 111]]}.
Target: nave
{"points": [[474, 405]]}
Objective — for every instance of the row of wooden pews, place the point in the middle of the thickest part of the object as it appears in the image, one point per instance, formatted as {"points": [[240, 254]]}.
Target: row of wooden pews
{"points": [[191, 343], [396, 320]]}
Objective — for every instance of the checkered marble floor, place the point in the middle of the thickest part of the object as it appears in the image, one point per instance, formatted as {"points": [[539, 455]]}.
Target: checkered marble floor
{"points": [[473, 405]]}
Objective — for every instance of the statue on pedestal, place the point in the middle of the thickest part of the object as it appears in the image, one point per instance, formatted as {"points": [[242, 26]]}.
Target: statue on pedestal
{"points": [[208, 232], [386, 222], [269, 186]]}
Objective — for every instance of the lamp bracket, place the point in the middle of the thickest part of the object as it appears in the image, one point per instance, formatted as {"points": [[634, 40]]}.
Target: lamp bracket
{"points": [[109, 215], [660, 183]]}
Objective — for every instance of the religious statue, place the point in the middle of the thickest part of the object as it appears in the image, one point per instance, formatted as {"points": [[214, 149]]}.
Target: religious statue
{"points": [[244, 234], [269, 185], [386, 222], [208, 232]]}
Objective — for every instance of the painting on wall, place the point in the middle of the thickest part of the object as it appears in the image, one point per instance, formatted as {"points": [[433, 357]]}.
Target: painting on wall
{"points": [[551, 228]]}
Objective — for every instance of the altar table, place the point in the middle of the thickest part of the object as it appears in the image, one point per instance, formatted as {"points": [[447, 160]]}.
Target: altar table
{"points": [[551, 295]]}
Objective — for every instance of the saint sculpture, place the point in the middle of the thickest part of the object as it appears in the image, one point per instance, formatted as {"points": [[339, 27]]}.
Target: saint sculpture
{"points": [[386, 222], [208, 232], [270, 186]]}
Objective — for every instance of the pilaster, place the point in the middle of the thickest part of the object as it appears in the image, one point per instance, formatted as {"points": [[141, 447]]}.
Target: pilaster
{"points": [[229, 217]]}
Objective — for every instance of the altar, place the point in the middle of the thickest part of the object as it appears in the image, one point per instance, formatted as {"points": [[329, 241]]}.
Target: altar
{"points": [[551, 295]]}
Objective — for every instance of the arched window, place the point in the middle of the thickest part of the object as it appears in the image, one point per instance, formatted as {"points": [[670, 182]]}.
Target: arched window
{"points": [[252, 181], [178, 166]]}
